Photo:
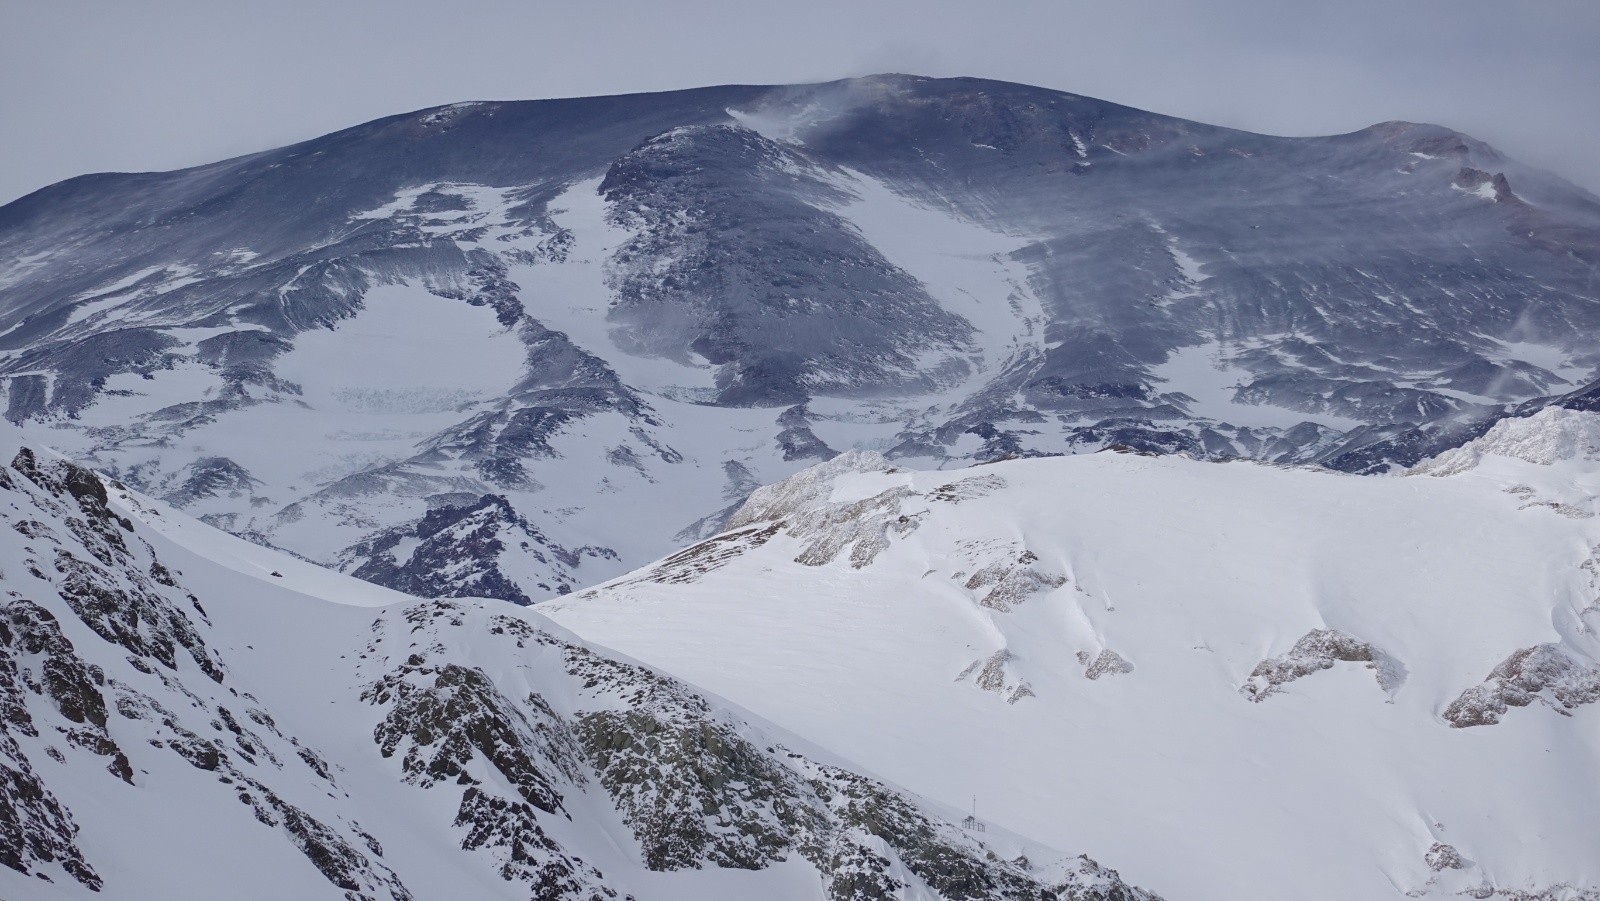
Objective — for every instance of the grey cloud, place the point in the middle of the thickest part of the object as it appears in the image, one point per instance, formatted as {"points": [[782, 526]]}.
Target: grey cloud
{"points": [[88, 86]]}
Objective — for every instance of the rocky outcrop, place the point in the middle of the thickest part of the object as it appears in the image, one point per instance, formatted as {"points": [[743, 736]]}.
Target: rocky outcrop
{"points": [[1549, 436], [211, 477], [800, 506], [696, 786], [40, 831], [796, 439], [995, 673], [967, 489], [1005, 583], [448, 715], [1317, 650], [121, 600], [694, 561], [509, 831], [1442, 857], [1543, 673], [142, 656], [31, 637], [1105, 663], [465, 550]]}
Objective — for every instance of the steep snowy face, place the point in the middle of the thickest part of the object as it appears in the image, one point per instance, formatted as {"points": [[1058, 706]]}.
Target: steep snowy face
{"points": [[1238, 680], [181, 721], [1553, 436], [616, 315]]}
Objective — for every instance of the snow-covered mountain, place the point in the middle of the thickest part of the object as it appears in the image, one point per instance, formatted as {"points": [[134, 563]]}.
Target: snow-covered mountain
{"points": [[186, 716], [1226, 679], [1237, 680], [515, 348]]}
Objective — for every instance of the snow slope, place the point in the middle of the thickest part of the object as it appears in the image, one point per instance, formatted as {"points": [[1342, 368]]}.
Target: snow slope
{"points": [[1237, 680], [186, 716]]}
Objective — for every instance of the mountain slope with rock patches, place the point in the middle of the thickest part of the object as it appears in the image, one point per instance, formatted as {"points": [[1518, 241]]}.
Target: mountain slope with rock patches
{"points": [[1244, 680], [595, 310], [182, 721]]}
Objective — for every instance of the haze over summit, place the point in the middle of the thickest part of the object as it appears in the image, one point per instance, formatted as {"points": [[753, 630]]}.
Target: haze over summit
{"points": [[87, 87]]}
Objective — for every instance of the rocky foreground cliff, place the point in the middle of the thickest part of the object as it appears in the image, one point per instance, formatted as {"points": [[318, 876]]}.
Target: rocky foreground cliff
{"points": [[175, 727]]}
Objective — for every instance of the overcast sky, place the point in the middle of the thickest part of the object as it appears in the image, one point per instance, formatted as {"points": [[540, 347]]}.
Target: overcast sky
{"points": [[112, 85]]}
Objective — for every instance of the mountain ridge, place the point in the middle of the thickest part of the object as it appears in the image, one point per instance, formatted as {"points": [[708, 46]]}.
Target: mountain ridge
{"points": [[667, 287]]}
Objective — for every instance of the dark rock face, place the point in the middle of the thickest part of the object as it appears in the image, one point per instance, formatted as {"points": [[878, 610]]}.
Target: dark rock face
{"points": [[461, 714], [457, 551], [1009, 582], [1442, 857], [797, 440], [40, 832], [787, 298], [1358, 301], [510, 830], [210, 477], [144, 625], [123, 604], [30, 631]]}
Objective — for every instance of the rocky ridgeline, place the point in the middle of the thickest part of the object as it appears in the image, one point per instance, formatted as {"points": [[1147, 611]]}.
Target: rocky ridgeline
{"points": [[108, 664], [462, 550], [105, 658], [696, 786]]}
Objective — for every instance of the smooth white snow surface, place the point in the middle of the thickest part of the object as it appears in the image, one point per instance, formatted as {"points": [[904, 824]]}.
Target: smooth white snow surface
{"points": [[391, 356], [1332, 789]]}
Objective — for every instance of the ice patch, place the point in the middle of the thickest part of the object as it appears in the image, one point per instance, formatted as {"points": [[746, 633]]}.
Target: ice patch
{"points": [[1484, 190], [1205, 373], [1188, 265], [18, 269], [1547, 357], [1190, 270], [416, 349]]}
